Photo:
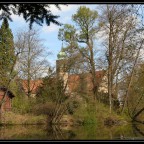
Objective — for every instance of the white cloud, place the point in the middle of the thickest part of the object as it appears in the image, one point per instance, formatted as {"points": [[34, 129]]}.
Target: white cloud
{"points": [[64, 8], [65, 11], [17, 18], [51, 28]]}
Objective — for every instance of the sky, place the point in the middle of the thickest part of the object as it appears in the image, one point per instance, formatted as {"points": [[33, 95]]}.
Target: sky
{"points": [[50, 33]]}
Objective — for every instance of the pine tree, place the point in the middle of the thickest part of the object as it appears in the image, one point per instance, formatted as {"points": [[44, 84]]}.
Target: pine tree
{"points": [[7, 54]]}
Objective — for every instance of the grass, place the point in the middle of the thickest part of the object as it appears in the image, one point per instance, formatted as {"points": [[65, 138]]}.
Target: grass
{"points": [[86, 113], [96, 114], [11, 118]]}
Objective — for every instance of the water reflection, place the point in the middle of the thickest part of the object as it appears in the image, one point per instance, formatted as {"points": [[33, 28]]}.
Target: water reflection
{"points": [[60, 133], [89, 132], [138, 130]]}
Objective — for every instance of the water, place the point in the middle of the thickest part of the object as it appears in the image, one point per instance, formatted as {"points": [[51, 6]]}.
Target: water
{"points": [[89, 132]]}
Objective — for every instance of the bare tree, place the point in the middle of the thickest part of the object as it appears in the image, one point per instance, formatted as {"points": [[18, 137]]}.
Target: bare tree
{"points": [[32, 62], [119, 27]]}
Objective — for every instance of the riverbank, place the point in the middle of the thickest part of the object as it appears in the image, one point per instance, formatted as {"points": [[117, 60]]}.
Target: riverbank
{"points": [[99, 114], [87, 132], [85, 114], [11, 118]]}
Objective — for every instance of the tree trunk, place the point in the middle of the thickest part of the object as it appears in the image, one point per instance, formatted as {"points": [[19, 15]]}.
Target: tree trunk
{"points": [[93, 70], [138, 113], [110, 81]]}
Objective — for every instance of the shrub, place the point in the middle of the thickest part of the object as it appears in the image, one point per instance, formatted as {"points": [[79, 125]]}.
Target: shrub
{"points": [[47, 109]]}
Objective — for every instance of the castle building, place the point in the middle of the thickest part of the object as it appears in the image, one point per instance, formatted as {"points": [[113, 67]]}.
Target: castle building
{"points": [[61, 67], [73, 82]]}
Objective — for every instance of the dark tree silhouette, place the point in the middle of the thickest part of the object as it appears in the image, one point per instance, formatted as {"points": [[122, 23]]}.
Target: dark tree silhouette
{"points": [[32, 13]]}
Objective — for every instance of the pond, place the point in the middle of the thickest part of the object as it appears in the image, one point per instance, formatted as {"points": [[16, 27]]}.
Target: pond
{"points": [[88, 132]]}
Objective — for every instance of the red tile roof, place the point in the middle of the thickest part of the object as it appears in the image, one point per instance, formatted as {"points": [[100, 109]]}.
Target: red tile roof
{"points": [[73, 81], [34, 84]]}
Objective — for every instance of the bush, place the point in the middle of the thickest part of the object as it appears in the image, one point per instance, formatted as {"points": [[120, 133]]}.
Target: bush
{"points": [[86, 113], [72, 106], [23, 105], [46, 109]]}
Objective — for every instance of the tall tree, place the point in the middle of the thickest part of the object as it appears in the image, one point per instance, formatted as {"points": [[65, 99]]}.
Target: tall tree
{"points": [[136, 99], [84, 33], [8, 58], [76, 61], [119, 28], [86, 21], [32, 63], [7, 52]]}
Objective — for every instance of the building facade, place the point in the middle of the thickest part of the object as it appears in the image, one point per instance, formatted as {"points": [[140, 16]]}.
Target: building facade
{"points": [[79, 82], [7, 104]]}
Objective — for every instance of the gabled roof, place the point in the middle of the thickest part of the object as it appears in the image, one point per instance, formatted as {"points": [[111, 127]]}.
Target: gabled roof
{"points": [[75, 79]]}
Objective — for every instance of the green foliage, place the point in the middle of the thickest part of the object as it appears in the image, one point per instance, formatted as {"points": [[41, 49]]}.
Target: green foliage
{"points": [[7, 54], [53, 101], [72, 106], [136, 93], [21, 103], [90, 112], [90, 116], [51, 90], [86, 113], [67, 33], [83, 32], [85, 19], [84, 12], [71, 48]]}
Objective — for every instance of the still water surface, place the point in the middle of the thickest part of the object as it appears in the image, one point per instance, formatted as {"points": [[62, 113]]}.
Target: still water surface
{"points": [[89, 132]]}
